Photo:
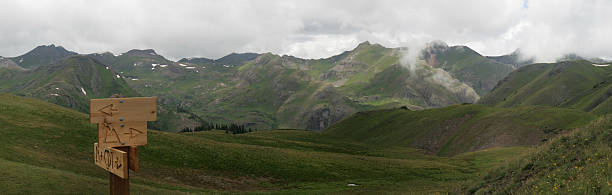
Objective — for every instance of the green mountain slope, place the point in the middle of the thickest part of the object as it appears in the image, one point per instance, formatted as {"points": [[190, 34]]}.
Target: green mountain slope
{"points": [[456, 129], [274, 91], [568, 84], [145, 61], [48, 149], [292, 92], [70, 82], [467, 65], [197, 60], [175, 84], [233, 59], [42, 55], [578, 163], [105, 58]]}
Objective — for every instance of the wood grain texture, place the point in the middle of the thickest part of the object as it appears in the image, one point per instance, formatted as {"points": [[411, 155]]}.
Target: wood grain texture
{"points": [[132, 156], [113, 110], [112, 160], [122, 134], [118, 185]]}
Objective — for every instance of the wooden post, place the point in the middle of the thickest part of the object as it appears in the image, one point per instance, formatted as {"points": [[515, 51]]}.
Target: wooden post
{"points": [[118, 185], [133, 158]]}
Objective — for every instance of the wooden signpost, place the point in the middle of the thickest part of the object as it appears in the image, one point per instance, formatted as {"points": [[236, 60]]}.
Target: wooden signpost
{"points": [[122, 126]]}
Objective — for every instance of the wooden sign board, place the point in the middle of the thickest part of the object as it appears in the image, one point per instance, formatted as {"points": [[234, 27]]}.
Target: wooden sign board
{"points": [[112, 160], [122, 134], [113, 110]]}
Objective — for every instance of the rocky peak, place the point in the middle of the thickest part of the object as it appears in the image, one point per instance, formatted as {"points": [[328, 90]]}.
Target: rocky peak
{"points": [[464, 49], [432, 50], [366, 45], [50, 50], [104, 53], [42, 55], [236, 59], [436, 46], [141, 52]]}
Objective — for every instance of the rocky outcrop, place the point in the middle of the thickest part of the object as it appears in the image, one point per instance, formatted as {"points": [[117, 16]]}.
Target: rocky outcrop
{"points": [[324, 117], [332, 107], [431, 50], [8, 63]]}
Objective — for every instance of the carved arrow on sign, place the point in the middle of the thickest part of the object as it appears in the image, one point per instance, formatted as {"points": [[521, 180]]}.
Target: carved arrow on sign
{"points": [[122, 134], [108, 109], [132, 134], [116, 110]]}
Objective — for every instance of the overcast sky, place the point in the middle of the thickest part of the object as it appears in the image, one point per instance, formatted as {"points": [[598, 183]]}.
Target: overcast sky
{"points": [[307, 28]]}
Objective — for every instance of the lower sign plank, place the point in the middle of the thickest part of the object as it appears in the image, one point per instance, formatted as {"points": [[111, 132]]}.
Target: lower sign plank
{"points": [[122, 134], [112, 160]]}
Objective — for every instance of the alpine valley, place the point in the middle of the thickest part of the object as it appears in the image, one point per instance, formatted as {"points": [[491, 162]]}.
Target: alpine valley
{"points": [[263, 91], [365, 121]]}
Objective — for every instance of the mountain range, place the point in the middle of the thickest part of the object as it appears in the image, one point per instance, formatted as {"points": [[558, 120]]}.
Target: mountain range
{"points": [[263, 91], [259, 90]]}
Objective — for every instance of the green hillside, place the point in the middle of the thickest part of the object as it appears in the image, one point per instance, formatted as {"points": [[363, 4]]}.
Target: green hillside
{"points": [[477, 71], [569, 84], [70, 83], [577, 163], [233, 59], [47, 149], [468, 66], [457, 129], [272, 91]]}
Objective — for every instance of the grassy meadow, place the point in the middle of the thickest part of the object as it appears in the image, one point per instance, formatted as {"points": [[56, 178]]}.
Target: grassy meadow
{"points": [[48, 149]]}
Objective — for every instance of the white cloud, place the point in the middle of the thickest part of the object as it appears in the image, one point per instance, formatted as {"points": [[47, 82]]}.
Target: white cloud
{"points": [[321, 46], [311, 29], [549, 29]]}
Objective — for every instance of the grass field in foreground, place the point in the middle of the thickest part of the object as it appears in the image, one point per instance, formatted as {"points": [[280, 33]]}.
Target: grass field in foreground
{"points": [[577, 163], [45, 148]]}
